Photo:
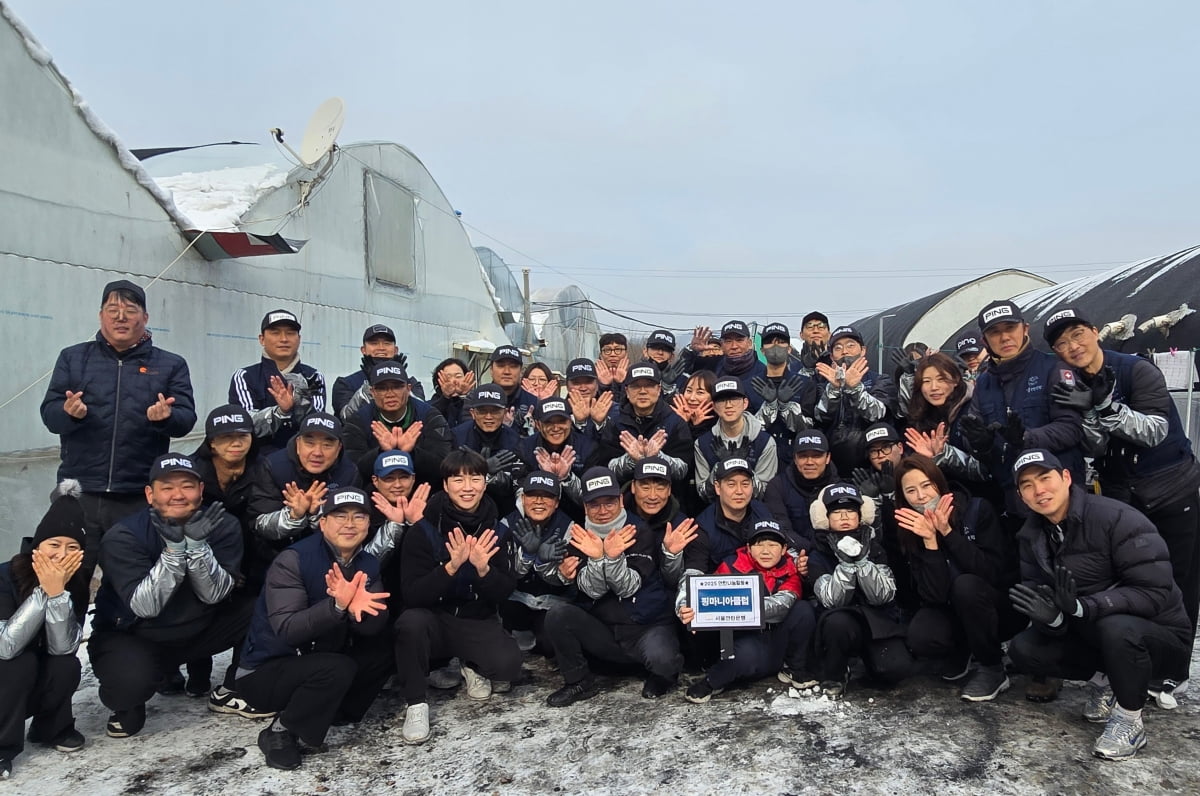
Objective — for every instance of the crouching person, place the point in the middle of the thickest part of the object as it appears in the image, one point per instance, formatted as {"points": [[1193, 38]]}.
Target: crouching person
{"points": [[782, 646], [624, 615], [43, 597], [453, 582], [855, 589], [310, 654], [165, 599], [1096, 582]]}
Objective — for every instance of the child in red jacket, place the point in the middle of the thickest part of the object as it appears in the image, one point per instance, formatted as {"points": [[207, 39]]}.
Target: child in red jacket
{"points": [[782, 645]]}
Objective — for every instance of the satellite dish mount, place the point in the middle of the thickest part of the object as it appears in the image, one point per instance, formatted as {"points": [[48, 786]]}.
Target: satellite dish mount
{"points": [[320, 140]]}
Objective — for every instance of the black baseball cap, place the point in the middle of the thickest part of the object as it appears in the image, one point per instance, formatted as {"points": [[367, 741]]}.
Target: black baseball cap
{"points": [[173, 463], [279, 318], [490, 394], [775, 331], [738, 328], [652, 467], [845, 331], [1003, 311], [726, 387], [767, 529], [661, 338], [841, 494], [344, 497], [968, 345], [1036, 457], [542, 482], [228, 419], [878, 433], [645, 370], [1062, 320], [728, 467], [551, 407], [388, 370], [581, 369], [812, 439], [815, 316], [321, 423], [506, 352], [599, 482], [127, 286], [379, 330]]}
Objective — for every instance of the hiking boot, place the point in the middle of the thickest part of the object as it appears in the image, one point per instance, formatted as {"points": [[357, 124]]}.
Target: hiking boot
{"points": [[701, 691], [656, 687], [125, 723], [987, 683], [279, 748], [222, 700], [1099, 704], [446, 677], [1043, 689], [797, 678], [416, 723], [69, 740], [1123, 736], [571, 693], [958, 668], [478, 686], [1165, 692]]}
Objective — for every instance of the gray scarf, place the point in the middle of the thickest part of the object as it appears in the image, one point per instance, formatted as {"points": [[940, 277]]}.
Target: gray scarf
{"points": [[603, 530]]}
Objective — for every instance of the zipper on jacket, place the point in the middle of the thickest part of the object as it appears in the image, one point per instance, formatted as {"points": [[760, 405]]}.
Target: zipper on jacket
{"points": [[112, 451]]}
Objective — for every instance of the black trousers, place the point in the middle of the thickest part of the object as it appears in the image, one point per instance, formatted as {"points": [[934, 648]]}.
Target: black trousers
{"points": [[758, 653], [130, 666], [482, 644], [841, 635], [1129, 649], [518, 616], [977, 619], [101, 511], [1179, 526], [39, 685], [576, 634]]}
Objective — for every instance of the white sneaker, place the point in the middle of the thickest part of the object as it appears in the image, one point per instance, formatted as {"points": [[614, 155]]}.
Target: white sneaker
{"points": [[446, 677], [1164, 693], [416, 724], [1123, 736], [478, 686]]}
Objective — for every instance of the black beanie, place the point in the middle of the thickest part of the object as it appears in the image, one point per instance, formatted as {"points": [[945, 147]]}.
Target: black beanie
{"points": [[65, 518]]}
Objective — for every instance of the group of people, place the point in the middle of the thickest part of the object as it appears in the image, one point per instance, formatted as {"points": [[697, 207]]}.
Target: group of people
{"points": [[904, 523]]}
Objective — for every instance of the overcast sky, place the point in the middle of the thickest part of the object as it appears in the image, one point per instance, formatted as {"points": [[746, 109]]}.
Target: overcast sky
{"points": [[712, 159]]}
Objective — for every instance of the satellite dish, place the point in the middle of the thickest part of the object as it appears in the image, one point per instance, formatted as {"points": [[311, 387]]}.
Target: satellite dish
{"points": [[322, 131]]}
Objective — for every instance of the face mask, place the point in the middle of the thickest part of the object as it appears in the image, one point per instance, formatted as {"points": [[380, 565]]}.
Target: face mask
{"points": [[776, 354], [847, 361], [931, 505]]}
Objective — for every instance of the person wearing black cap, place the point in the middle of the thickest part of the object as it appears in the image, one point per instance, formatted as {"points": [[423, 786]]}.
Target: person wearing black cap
{"points": [[1096, 582], [624, 613], [727, 523], [119, 380], [740, 361], [781, 647], [395, 419], [795, 487], [289, 487], [165, 597], [398, 503], [788, 396], [645, 426], [43, 599], [486, 434], [852, 397], [849, 574], [454, 576], [537, 534], [969, 349], [506, 373], [884, 451], [736, 434], [649, 498], [1141, 453], [353, 390], [660, 349], [814, 348], [559, 447], [310, 654], [590, 407], [279, 390], [1011, 408]]}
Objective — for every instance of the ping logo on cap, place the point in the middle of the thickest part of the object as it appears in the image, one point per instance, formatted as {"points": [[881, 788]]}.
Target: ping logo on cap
{"points": [[662, 336], [641, 373], [397, 460], [323, 422], [1033, 457], [843, 491], [1061, 315], [598, 483], [967, 341], [348, 497], [176, 461], [876, 433], [764, 524], [1004, 310], [541, 480], [654, 468], [493, 394], [507, 351], [582, 367], [389, 370], [222, 420], [809, 440], [843, 330], [774, 328], [554, 406], [731, 464], [727, 386], [276, 317]]}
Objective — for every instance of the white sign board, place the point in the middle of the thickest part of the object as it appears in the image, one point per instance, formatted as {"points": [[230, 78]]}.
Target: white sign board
{"points": [[726, 602]]}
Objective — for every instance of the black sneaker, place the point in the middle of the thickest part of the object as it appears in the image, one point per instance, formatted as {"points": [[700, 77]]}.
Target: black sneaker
{"points": [[280, 749], [656, 687], [958, 668], [222, 700], [701, 691], [836, 688], [571, 693], [172, 684], [5, 768], [197, 687], [125, 723], [797, 678], [987, 683], [69, 740], [1043, 689]]}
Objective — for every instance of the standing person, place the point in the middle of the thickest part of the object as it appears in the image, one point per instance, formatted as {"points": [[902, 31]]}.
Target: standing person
{"points": [[792, 491], [452, 383], [1142, 455], [787, 395], [1096, 583], [119, 381], [591, 409], [737, 434], [612, 368], [538, 380], [852, 397], [310, 654], [352, 390], [454, 578], [660, 349], [814, 348], [740, 361], [645, 427], [559, 447], [506, 373], [279, 391], [486, 434], [169, 572], [43, 599], [970, 351]]}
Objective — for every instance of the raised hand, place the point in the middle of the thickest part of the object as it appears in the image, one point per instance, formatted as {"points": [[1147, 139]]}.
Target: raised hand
{"points": [[940, 516], [406, 440], [392, 513], [367, 602], [486, 545], [788, 389], [677, 538], [160, 409], [414, 512], [768, 391], [384, 436], [459, 547], [654, 445], [866, 481], [466, 383], [919, 441], [829, 373], [581, 407], [618, 541], [603, 374], [527, 536], [919, 524], [283, 393], [601, 407], [316, 496], [296, 499], [700, 337], [202, 523], [587, 542], [342, 590], [680, 407], [620, 370], [569, 568], [634, 446], [855, 372], [74, 405]]}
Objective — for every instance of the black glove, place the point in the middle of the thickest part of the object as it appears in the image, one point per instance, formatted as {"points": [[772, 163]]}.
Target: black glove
{"points": [[502, 461], [402, 358], [1102, 387], [368, 362], [809, 354], [766, 389], [1078, 397], [1065, 593], [867, 482], [903, 363], [551, 552], [202, 523], [672, 372], [1014, 432], [886, 478], [733, 450], [979, 435], [527, 536], [788, 389], [1034, 603], [168, 530]]}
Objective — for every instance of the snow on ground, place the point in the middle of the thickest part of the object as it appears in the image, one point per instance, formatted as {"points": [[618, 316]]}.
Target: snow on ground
{"points": [[917, 738], [215, 200]]}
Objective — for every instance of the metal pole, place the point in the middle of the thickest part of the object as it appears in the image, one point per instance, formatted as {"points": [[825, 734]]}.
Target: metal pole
{"points": [[1187, 424], [879, 347], [528, 313]]}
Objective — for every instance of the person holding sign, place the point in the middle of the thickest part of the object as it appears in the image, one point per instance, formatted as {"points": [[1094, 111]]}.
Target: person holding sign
{"points": [[782, 645], [624, 613], [855, 588]]}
